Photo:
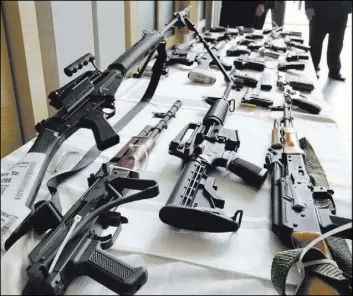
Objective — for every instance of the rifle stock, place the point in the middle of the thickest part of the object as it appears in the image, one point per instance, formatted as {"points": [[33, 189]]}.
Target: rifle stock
{"points": [[312, 284]]}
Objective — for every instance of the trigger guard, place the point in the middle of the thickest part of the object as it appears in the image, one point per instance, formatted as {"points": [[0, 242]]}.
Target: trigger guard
{"points": [[109, 114]]}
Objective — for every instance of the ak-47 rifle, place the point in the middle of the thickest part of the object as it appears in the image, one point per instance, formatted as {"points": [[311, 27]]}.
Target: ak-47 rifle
{"points": [[80, 103], [194, 202], [56, 262], [303, 209]]}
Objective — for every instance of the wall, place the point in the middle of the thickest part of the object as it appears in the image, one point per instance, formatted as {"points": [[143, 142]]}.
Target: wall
{"points": [[73, 33]]}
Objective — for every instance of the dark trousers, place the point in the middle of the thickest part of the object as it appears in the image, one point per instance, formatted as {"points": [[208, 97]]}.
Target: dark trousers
{"points": [[318, 28]]}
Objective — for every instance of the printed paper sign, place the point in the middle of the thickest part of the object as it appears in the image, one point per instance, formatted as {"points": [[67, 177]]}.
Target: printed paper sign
{"points": [[13, 212], [16, 184]]}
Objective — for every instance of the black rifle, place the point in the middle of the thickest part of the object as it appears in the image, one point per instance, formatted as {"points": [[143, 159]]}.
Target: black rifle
{"points": [[82, 103], [83, 254], [301, 211], [193, 202]]}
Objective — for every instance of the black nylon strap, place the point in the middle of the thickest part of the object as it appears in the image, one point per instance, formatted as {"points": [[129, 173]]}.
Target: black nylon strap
{"points": [[93, 153]]}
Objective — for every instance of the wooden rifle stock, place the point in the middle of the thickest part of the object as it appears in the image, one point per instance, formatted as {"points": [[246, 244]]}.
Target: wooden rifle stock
{"points": [[311, 284]]}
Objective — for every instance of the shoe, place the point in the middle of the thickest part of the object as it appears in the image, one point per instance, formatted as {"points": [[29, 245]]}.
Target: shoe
{"points": [[336, 76]]}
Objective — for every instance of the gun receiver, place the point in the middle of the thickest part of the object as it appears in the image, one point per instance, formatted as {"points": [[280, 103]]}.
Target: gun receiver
{"points": [[301, 211], [85, 102], [84, 254]]}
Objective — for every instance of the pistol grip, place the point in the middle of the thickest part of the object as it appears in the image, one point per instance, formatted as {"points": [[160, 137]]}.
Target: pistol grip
{"points": [[109, 271], [104, 134], [249, 172]]}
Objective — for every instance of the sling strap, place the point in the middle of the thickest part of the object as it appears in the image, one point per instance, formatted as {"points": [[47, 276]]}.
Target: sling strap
{"points": [[339, 275]]}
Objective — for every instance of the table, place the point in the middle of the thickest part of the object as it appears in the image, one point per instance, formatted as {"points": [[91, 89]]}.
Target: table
{"points": [[178, 261]]}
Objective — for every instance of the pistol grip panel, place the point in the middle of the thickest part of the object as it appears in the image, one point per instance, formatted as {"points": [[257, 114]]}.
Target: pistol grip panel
{"points": [[250, 173], [104, 134], [306, 105], [109, 271]]}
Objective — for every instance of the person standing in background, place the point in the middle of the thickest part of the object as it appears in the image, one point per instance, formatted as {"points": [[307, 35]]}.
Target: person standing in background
{"points": [[249, 14], [278, 12], [327, 17]]}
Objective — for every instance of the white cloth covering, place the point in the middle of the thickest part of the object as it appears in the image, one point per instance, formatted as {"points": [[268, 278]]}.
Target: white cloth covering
{"points": [[183, 262]]}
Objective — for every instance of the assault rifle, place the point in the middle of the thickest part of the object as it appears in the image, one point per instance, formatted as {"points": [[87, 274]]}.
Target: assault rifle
{"points": [[87, 101], [194, 200], [303, 209], [52, 268]]}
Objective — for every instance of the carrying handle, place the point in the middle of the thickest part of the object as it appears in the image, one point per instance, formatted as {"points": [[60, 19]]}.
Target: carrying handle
{"points": [[78, 64]]}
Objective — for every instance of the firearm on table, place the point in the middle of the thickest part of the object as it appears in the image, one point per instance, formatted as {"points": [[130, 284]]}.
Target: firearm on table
{"points": [[293, 56], [300, 84], [292, 44], [291, 66], [302, 209], [85, 102], [179, 54], [249, 64], [220, 29], [237, 50], [253, 98], [52, 268], [202, 73], [194, 200], [241, 80]]}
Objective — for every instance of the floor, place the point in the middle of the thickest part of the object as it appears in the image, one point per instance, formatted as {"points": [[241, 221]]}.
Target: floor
{"points": [[338, 94]]}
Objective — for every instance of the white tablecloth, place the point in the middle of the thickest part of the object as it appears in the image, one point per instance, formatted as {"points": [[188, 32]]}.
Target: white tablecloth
{"points": [[183, 262]]}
